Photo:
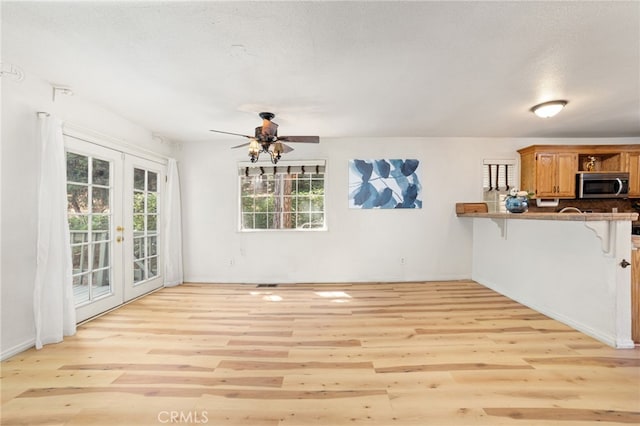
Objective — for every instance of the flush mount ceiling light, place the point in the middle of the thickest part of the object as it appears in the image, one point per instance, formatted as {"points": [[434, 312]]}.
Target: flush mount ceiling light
{"points": [[548, 109]]}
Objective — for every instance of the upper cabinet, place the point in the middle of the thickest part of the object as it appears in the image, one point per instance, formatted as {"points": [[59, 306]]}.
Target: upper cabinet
{"points": [[631, 162], [549, 174], [549, 171]]}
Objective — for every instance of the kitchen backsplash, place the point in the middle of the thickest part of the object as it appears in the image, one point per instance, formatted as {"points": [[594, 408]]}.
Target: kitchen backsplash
{"points": [[595, 206]]}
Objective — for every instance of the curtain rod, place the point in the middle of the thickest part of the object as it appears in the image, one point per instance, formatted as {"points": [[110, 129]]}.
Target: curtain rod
{"points": [[98, 138]]}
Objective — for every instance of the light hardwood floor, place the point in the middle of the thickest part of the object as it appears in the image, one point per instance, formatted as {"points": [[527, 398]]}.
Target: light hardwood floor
{"points": [[428, 353]]}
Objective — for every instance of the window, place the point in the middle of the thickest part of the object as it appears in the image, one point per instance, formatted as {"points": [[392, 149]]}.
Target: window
{"points": [[498, 177], [286, 196]]}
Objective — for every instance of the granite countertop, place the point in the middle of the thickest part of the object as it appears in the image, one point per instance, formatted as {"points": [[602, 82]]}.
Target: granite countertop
{"points": [[555, 216]]}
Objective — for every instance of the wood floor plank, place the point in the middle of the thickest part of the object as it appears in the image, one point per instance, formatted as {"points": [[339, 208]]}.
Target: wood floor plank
{"points": [[147, 379], [311, 365], [450, 367], [183, 392], [231, 353], [608, 362], [135, 367], [566, 414], [293, 343]]}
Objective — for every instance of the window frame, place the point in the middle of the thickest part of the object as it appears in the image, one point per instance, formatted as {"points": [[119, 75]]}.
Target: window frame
{"points": [[254, 169], [496, 197]]}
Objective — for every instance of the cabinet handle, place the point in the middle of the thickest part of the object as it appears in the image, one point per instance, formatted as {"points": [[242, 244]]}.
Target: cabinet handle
{"points": [[624, 263]]}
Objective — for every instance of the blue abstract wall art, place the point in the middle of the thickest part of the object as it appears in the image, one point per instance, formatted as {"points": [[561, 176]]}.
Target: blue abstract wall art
{"points": [[384, 184]]}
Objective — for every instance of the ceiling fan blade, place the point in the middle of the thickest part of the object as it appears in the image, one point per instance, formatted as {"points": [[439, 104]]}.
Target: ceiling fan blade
{"points": [[286, 148], [302, 139], [229, 133], [241, 145]]}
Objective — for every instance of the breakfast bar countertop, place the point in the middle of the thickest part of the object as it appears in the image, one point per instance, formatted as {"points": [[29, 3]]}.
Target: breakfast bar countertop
{"points": [[578, 217]]}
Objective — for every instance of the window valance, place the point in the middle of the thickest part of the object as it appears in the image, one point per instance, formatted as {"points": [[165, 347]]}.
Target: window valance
{"points": [[287, 168]]}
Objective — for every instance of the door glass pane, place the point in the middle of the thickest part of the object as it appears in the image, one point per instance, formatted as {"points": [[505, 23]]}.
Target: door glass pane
{"points": [[138, 202], [138, 248], [138, 271], [152, 183], [100, 200], [151, 222], [80, 258], [100, 227], [77, 198], [153, 267], [100, 255], [78, 223], [77, 168], [100, 283], [145, 224], [151, 203], [151, 246], [100, 172], [81, 288], [138, 223], [89, 214], [138, 179]]}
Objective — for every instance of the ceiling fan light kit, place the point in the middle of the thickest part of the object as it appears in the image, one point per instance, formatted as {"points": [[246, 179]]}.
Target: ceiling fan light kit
{"points": [[548, 109], [266, 140]]}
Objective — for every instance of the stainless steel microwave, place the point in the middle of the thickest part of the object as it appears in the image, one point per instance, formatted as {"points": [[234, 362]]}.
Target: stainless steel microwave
{"points": [[602, 185]]}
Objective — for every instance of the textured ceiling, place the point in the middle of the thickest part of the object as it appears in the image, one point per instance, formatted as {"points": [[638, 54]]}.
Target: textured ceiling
{"points": [[341, 69]]}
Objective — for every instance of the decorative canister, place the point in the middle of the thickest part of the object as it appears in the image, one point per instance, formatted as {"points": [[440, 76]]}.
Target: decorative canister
{"points": [[516, 204]]}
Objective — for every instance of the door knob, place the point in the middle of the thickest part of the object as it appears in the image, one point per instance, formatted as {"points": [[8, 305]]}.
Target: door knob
{"points": [[624, 263], [118, 239], [119, 228]]}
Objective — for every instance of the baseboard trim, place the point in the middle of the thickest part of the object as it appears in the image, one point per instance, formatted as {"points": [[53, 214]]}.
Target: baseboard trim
{"points": [[599, 335], [15, 350]]}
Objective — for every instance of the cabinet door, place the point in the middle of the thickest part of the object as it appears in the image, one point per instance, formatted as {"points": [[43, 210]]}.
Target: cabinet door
{"points": [[633, 167], [545, 175], [566, 166]]}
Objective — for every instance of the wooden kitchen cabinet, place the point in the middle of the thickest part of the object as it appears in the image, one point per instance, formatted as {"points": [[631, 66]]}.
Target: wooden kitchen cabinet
{"points": [[548, 174], [549, 171], [631, 161], [556, 175]]}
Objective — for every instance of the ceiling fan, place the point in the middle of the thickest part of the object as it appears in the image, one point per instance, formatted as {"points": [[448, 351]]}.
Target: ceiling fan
{"points": [[266, 140]]}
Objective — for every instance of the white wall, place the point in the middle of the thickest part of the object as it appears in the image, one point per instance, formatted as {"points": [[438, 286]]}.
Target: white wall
{"points": [[20, 162], [559, 268], [360, 245]]}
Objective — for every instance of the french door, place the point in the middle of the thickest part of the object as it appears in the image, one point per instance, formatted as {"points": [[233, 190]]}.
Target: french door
{"points": [[114, 223]]}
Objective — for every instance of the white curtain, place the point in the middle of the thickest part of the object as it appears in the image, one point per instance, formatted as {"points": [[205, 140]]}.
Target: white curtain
{"points": [[53, 303], [173, 228]]}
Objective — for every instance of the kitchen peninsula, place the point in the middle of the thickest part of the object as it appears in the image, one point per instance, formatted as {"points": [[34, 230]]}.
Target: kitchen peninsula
{"points": [[568, 266]]}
